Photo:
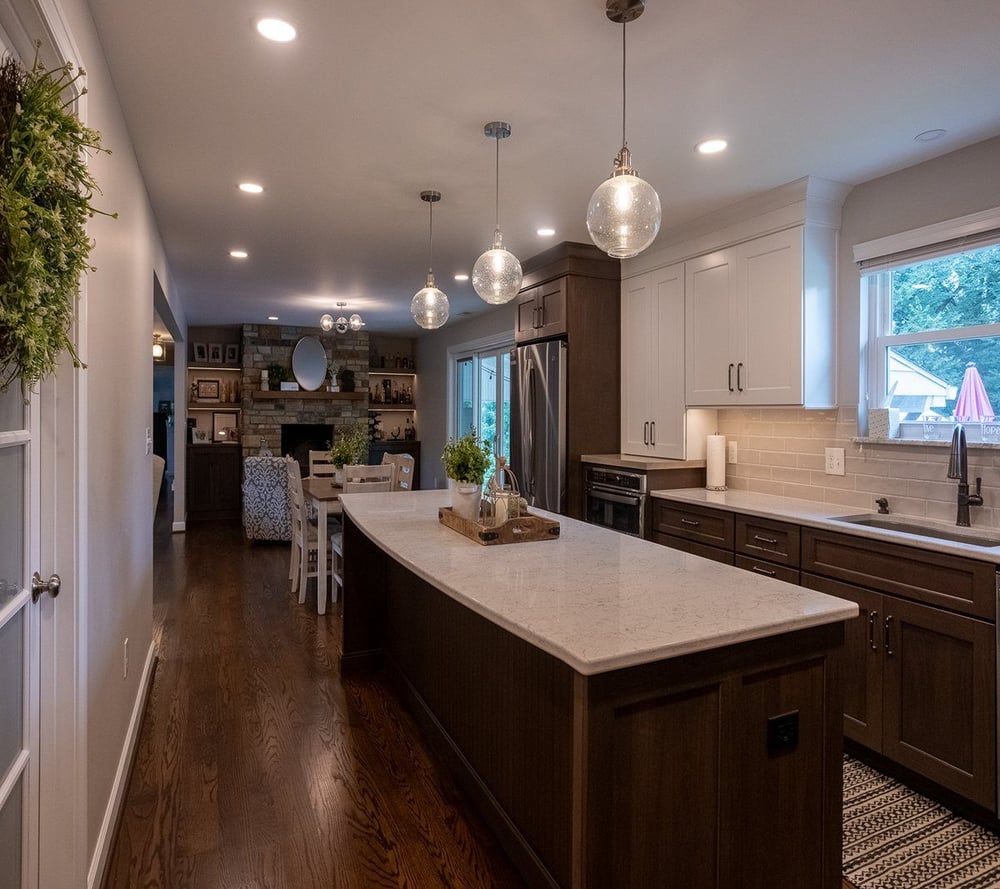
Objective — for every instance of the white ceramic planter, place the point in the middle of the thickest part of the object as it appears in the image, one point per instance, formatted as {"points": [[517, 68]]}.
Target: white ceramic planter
{"points": [[465, 499]]}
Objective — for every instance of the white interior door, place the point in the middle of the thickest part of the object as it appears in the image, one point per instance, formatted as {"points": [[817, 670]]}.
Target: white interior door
{"points": [[19, 642]]}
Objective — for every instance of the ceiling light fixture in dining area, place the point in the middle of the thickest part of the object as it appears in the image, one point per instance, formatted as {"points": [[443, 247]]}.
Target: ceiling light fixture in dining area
{"points": [[342, 324], [623, 217], [497, 275], [429, 306]]}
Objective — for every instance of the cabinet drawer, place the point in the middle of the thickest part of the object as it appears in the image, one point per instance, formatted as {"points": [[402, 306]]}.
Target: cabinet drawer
{"points": [[696, 549], [698, 523], [941, 579], [769, 569], [767, 539]]}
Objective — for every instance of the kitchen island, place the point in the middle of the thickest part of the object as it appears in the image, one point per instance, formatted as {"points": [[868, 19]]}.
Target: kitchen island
{"points": [[624, 714]]}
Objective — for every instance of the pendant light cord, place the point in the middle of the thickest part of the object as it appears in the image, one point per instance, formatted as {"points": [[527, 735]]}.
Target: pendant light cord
{"points": [[498, 183], [623, 85], [430, 247]]}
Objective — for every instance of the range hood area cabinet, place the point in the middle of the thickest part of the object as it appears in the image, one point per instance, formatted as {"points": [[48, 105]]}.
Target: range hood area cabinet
{"points": [[654, 421], [760, 321]]}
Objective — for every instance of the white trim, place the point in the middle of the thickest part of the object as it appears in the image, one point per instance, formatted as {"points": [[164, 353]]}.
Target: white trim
{"points": [[14, 773], [11, 439], [12, 607], [928, 235], [105, 836], [178, 527]]}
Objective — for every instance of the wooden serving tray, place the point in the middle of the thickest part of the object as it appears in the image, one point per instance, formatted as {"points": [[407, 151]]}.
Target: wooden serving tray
{"points": [[520, 530]]}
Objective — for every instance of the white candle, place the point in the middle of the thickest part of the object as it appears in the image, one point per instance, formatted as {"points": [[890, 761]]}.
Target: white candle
{"points": [[715, 463]]}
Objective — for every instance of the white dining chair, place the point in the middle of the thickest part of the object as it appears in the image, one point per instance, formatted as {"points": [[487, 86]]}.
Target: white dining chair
{"points": [[320, 464], [305, 548], [368, 479]]}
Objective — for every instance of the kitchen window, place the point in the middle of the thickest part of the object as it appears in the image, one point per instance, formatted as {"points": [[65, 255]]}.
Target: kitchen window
{"points": [[480, 392], [933, 349]]}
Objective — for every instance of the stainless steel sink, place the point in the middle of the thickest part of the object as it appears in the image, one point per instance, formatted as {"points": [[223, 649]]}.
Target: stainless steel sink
{"points": [[891, 523]]}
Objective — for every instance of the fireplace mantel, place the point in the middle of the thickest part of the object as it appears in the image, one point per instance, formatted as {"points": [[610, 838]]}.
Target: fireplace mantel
{"points": [[291, 394]]}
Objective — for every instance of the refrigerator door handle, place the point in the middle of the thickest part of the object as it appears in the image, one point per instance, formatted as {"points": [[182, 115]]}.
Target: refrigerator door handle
{"points": [[529, 462]]}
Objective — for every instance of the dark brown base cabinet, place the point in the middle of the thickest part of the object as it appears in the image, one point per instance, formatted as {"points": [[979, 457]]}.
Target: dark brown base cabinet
{"points": [[920, 661], [214, 475], [655, 775]]}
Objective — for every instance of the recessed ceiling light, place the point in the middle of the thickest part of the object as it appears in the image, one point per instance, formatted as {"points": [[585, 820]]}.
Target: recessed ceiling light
{"points": [[711, 146], [929, 135], [272, 317], [545, 232], [461, 277], [251, 187], [238, 254], [275, 29]]}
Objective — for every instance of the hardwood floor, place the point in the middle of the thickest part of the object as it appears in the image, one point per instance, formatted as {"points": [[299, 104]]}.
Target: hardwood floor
{"points": [[258, 767]]}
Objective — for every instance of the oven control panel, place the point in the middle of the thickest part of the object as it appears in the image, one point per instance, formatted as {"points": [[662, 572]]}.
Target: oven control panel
{"points": [[616, 479]]}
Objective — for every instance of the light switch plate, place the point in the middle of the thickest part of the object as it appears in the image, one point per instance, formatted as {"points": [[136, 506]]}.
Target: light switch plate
{"points": [[732, 452], [834, 461]]}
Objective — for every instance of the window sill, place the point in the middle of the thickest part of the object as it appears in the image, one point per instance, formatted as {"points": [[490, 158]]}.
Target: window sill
{"points": [[924, 443]]}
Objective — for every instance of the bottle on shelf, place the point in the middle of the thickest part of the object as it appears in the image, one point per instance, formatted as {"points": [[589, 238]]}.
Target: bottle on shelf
{"points": [[410, 431]]}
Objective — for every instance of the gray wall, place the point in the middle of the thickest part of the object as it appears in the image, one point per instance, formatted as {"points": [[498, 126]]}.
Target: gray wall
{"points": [[956, 184], [432, 394]]}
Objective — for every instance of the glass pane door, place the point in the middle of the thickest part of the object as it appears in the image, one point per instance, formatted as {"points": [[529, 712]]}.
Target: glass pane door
{"points": [[482, 398], [18, 643]]}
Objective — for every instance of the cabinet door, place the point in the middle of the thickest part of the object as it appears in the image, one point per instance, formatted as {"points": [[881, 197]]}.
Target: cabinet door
{"points": [[638, 349], [551, 302], [666, 360], [525, 316], [940, 697], [862, 663], [710, 326], [769, 319]]}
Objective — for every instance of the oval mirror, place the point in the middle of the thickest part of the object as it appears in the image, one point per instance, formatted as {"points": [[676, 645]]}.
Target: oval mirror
{"points": [[309, 363]]}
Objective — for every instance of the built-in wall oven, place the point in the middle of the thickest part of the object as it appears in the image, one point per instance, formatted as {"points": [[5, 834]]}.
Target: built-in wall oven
{"points": [[616, 499]]}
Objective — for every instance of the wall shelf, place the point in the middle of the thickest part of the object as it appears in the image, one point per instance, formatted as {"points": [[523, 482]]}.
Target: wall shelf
{"points": [[216, 406]]}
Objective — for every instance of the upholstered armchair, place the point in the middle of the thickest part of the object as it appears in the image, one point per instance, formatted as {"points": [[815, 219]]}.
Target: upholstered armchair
{"points": [[266, 505]]}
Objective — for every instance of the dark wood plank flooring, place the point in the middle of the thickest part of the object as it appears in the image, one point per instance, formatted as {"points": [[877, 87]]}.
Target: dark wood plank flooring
{"points": [[258, 767]]}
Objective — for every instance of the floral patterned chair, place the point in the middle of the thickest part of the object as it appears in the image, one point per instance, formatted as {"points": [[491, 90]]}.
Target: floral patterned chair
{"points": [[266, 504]]}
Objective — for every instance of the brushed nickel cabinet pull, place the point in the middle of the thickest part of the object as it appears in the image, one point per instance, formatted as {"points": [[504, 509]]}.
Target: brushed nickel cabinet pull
{"points": [[645, 433], [760, 570], [759, 539], [691, 522], [739, 373]]}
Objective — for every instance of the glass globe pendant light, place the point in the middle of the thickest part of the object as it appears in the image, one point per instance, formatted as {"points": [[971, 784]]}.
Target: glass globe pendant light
{"points": [[429, 306], [623, 216], [341, 324], [496, 276]]}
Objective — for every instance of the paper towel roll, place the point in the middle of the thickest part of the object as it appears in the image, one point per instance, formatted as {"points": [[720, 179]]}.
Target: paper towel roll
{"points": [[715, 463]]}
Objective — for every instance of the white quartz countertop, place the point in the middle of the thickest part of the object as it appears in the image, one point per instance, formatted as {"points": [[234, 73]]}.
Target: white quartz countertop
{"points": [[823, 515], [630, 461], [596, 599]]}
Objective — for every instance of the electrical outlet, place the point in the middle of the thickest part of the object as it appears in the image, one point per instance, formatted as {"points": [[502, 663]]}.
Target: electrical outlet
{"points": [[732, 451], [125, 658], [834, 461]]}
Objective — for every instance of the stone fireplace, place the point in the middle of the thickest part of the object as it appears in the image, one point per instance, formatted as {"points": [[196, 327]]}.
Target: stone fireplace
{"points": [[324, 414]]}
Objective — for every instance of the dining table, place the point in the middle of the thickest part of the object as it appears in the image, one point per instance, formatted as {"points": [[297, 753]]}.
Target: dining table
{"points": [[325, 493]]}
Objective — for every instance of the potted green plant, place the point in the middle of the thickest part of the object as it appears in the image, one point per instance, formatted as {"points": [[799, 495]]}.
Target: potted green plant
{"points": [[466, 462], [345, 379], [45, 201], [350, 447]]}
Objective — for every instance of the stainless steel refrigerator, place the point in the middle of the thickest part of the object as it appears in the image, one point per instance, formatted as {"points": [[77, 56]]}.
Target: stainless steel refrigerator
{"points": [[538, 423]]}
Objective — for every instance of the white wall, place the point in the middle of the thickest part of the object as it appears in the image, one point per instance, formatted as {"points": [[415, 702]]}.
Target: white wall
{"points": [[432, 369], [118, 382]]}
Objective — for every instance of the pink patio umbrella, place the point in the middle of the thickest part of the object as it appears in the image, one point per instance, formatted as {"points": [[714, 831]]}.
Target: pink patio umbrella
{"points": [[973, 404]]}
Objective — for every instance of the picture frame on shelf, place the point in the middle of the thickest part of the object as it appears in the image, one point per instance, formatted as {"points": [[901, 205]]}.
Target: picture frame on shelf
{"points": [[224, 428], [207, 390], [199, 436], [200, 353], [232, 353], [215, 353]]}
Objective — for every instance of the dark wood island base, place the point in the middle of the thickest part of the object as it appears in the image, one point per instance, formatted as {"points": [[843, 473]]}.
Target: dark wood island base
{"points": [[721, 768]]}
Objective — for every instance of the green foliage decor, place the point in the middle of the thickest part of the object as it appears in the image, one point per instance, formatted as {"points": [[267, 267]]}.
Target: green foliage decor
{"points": [[277, 374], [467, 459], [45, 202], [351, 446]]}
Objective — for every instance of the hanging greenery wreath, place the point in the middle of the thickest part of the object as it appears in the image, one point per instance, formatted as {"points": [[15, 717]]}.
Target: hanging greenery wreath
{"points": [[45, 202]]}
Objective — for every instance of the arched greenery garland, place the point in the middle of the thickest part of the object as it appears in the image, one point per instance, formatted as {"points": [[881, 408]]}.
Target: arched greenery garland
{"points": [[45, 202]]}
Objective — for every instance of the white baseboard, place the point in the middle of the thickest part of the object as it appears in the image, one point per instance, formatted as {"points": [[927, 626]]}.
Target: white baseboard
{"points": [[105, 837], [179, 526]]}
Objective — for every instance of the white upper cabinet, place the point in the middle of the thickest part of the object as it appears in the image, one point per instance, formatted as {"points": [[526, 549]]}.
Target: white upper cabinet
{"points": [[653, 422], [760, 321]]}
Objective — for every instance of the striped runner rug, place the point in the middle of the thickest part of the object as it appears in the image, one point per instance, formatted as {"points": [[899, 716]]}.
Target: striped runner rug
{"points": [[894, 838]]}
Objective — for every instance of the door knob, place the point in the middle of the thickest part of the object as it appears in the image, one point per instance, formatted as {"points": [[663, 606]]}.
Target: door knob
{"points": [[39, 586]]}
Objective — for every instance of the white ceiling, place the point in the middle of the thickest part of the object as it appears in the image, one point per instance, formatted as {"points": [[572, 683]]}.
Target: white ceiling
{"points": [[372, 104]]}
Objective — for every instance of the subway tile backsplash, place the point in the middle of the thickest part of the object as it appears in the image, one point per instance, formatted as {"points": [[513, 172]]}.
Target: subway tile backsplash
{"points": [[781, 451]]}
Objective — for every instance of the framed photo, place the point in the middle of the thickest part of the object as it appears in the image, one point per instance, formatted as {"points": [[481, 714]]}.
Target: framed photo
{"points": [[215, 353], [208, 389], [232, 353], [200, 353], [224, 426], [199, 436]]}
